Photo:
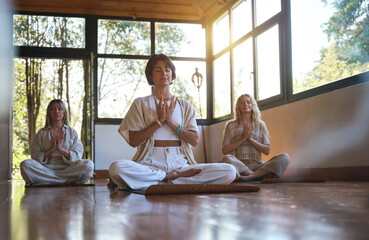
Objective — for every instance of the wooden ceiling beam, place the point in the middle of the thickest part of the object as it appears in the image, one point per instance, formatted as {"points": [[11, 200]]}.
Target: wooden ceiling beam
{"points": [[194, 10]]}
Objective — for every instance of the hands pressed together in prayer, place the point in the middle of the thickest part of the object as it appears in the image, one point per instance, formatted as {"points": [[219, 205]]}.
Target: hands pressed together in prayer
{"points": [[164, 111], [57, 139], [248, 128]]}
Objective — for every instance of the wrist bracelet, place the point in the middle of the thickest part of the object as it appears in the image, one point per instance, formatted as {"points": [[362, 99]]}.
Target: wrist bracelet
{"points": [[158, 122], [179, 129]]}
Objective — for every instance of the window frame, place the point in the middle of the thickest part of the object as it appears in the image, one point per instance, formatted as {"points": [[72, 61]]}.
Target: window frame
{"points": [[256, 31], [53, 52], [283, 19], [97, 55], [65, 53], [90, 52]]}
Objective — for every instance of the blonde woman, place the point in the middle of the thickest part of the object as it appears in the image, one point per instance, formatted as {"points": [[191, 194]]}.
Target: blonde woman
{"points": [[245, 139], [56, 152]]}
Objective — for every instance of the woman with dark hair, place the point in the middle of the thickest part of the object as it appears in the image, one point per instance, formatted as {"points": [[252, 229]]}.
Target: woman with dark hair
{"points": [[163, 128], [245, 138], [56, 152]]}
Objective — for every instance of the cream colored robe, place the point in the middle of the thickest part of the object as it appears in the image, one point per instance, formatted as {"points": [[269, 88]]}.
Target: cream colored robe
{"points": [[141, 116]]}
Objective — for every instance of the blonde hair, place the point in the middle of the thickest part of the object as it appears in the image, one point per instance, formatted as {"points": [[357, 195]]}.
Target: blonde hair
{"points": [[255, 111], [65, 110]]}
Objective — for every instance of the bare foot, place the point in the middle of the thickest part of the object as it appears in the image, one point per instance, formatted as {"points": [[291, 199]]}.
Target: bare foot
{"points": [[72, 181], [251, 177], [188, 173], [246, 173]]}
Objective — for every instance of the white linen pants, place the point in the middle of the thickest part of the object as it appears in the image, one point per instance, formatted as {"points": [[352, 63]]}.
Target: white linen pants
{"points": [[34, 172], [139, 176]]}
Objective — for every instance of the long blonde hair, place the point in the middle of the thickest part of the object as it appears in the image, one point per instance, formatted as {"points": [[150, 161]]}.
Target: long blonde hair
{"points": [[66, 114], [255, 111]]}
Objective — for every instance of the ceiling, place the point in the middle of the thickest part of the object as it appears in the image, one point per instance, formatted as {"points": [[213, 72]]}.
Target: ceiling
{"points": [[193, 10]]}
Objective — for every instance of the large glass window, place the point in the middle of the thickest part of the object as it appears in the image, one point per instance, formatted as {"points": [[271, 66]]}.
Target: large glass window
{"points": [[48, 31], [266, 9], [123, 37], [241, 19], [122, 79], [187, 85], [330, 46], [268, 66], [180, 39], [253, 64], [37, 82], [62, 71], [222, 88], [220, 33], [243, 69]]}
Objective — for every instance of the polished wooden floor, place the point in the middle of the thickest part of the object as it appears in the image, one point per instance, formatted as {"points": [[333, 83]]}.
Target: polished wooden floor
{"points": [[322, 211]]}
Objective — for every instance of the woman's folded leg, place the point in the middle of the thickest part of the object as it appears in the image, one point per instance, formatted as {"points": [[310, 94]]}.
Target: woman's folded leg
{"points": [[34, 172], [127, 173], [212, 173]]}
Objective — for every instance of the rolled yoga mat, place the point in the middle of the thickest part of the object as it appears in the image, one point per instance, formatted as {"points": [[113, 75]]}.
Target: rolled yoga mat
{"points": [[196, 188]]}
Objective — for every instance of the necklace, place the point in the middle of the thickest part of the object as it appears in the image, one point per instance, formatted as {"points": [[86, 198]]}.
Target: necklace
{"points": [[159, 97]]}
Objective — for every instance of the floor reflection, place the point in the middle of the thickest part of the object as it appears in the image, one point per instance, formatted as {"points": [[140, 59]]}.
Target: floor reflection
{"points": [[5, 193], [285, 211], [52, 212]]}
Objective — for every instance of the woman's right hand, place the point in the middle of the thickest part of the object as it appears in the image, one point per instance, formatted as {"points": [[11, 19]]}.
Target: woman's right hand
{"points": [[161, 109], [54, 142], [247, 130], [246, 135], [54, 139]]}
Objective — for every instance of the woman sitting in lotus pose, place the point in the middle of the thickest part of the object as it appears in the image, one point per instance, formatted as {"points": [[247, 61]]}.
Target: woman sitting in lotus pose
{"points": [[245, 138]]}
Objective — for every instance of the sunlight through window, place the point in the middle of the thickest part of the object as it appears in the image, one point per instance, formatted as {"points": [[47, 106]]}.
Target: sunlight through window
{"points": [[266, 9], [268, 69], [243, 70], [222, 88], [221, 33], [241, 19]]}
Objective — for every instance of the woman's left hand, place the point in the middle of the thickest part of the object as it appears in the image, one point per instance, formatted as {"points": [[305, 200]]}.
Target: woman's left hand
{"points": [[161, 109], [60, 140], [170, 109], [247, 130], [60, 143]]}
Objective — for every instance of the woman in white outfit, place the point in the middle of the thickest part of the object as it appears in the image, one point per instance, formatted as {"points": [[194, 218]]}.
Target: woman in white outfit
{"points": [[56, 152], [163, 128], [245, 138]]}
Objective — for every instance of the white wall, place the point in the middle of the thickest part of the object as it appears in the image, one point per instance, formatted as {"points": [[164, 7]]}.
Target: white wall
{"points": [[216, 136], [111, 146]]}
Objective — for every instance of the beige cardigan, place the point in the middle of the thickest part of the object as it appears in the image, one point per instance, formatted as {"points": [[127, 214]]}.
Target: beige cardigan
{"points": [[140, 116]]}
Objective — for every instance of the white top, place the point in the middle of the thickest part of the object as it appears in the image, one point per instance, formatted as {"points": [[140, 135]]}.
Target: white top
{"points": [[166, 132], [140, 116]]}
